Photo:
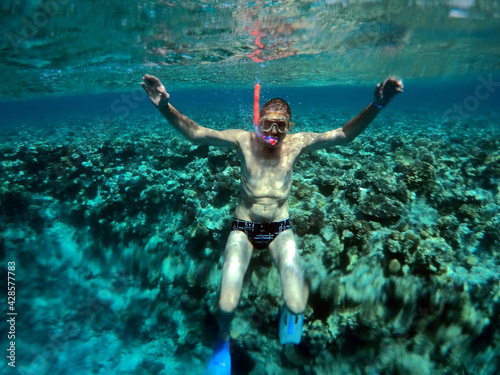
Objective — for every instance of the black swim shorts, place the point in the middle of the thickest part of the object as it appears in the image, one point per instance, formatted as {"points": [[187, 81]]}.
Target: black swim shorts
{"points": [[261, 234]]}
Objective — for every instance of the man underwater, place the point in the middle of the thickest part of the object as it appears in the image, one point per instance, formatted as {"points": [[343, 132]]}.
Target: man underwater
{"points": [[261, 218]]}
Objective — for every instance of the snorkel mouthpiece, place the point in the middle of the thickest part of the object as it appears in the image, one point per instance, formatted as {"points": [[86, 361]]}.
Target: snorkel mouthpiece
{"points": [[271, 140]]}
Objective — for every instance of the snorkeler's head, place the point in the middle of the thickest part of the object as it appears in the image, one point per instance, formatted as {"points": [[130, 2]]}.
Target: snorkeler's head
{"points": [[275, 116], [274, 122]]}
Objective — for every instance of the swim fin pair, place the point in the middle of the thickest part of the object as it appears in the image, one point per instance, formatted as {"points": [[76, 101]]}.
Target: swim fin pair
{"points": [[290, 327], [290, 333], [220, 364]]}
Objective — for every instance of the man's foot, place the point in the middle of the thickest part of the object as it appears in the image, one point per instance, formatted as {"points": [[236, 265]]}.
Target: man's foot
{"points": [[220, 364], [290, 327]]}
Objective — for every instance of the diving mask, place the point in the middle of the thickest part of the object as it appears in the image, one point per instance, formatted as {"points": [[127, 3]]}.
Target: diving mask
{"points": [[282, 123]]}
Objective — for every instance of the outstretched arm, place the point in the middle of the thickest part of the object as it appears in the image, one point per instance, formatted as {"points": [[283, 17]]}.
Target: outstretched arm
{"points": [[187, 127], [383, 94]]}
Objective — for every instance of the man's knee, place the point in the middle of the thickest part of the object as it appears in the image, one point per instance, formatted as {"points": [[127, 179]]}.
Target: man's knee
{"points": [[295, 290], [295, 304], [229, 301]]}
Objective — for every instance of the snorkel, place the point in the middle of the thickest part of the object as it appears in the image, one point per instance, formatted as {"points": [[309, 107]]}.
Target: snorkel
{"points": [[271, 140]]}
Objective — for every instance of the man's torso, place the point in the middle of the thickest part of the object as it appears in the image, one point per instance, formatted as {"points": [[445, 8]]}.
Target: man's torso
{"points": [[266, 178]]}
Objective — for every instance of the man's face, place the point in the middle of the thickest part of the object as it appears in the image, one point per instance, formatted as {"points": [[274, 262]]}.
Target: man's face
{"points": [[275, 126]]}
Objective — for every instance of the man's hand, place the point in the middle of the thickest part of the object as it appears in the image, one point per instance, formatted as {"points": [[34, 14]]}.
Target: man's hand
{"points": [[156, 91], [386, 90]]}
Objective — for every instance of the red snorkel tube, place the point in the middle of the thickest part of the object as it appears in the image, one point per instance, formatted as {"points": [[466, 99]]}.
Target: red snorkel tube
{"points": [[272, 141], [256, 95]]}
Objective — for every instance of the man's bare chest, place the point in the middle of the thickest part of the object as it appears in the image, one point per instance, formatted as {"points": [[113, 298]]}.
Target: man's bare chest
{"points": [[267, 165]]}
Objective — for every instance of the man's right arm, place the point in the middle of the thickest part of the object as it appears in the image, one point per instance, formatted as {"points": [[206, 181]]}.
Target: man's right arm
{"points": [[187, 127]]}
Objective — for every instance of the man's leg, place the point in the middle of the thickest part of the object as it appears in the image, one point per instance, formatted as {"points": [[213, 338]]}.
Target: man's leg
{"points": [[287, 259], [236, 260], [295, 290]]}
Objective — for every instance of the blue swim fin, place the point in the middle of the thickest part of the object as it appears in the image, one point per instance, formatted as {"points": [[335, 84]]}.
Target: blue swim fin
{"points": [[220, 364], [290, 327]]}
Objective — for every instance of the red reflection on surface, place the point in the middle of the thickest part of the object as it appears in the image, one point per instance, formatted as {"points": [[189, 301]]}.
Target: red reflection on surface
{"points": [[255, 32]]}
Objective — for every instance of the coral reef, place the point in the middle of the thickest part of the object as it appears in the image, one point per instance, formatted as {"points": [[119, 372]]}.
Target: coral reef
{"points": [[119, 234]]}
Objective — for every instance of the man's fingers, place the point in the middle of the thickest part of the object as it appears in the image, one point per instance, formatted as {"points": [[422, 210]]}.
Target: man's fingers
{"points": [[146, 88], [150, 80], [398, 86], [394, 84]]}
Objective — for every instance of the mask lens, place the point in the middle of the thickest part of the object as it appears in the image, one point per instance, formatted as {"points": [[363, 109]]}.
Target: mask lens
{"points": [[281, 125], [267, 125]]}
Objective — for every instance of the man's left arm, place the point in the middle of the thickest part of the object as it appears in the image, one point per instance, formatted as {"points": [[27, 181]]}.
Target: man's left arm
{"points": [[384, 92]]}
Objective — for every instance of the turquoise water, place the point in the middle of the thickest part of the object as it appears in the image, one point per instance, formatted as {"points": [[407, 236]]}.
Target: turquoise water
{"points": [[116, 225]]}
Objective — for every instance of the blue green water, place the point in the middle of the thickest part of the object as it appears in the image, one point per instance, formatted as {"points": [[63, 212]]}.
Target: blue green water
{"points": [[117, 225], [457, 100]]}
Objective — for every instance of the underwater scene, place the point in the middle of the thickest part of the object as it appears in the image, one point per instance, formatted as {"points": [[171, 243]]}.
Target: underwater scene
{"points": [[114, 224]]}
